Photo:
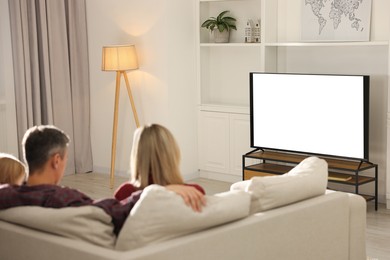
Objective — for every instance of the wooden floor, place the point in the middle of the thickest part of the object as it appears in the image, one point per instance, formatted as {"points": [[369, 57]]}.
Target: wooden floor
{"points": [[96, 185], [378, 232], [378, 222]]}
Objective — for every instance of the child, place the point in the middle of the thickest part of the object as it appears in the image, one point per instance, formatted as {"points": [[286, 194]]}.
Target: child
{"points": [[12, 171], [155, 159]]}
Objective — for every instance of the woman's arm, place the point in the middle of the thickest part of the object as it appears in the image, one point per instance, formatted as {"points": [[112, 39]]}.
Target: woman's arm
{"points": [[191, 196], [196, 186]]}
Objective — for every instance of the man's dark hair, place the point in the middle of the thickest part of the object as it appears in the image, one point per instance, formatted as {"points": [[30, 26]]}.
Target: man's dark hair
{"points": [[40, 143]]}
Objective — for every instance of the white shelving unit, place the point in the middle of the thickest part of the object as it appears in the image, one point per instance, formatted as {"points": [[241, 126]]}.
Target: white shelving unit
{"points": [[224, 90], [224, 68]]}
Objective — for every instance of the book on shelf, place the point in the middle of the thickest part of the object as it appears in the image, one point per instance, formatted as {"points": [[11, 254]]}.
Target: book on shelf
{"points": [[339, 177]]}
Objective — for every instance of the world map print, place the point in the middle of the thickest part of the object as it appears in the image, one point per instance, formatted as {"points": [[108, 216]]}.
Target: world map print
{"points": [[336, 19]]}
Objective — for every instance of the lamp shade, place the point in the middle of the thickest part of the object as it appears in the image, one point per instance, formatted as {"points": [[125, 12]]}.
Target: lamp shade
{"points": [[119, 58]]}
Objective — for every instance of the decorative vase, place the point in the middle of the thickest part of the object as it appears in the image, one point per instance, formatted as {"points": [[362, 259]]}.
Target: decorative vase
{"points": [[221, 37]]}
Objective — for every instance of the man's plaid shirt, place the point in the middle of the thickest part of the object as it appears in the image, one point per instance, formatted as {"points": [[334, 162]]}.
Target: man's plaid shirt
{"points": [[53, 196]]}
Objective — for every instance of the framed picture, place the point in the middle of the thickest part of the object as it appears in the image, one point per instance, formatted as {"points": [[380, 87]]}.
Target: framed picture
{"points": [[336, 20]]}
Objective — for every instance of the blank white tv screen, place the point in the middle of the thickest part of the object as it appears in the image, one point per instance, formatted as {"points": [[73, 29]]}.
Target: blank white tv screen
{"points": [[319, 114]]}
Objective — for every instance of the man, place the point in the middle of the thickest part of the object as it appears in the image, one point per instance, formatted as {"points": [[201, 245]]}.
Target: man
{"points": [[45, 150]]}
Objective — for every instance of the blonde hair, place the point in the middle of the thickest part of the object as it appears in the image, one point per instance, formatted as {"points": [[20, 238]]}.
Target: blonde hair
{"points": [[11, 169], [155, 157]]}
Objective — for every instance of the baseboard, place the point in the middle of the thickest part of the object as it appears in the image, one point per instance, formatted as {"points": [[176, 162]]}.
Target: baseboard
{"points": [[191, 176]]}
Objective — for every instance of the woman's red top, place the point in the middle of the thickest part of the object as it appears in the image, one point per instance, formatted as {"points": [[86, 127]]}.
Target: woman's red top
{"points": [[126, 189]]}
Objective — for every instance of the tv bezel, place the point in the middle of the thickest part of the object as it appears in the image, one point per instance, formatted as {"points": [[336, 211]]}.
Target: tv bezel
{"points": [[366, 110]]}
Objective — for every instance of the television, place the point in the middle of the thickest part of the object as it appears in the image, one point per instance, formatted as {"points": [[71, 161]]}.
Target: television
{"points": [[310, 113]]}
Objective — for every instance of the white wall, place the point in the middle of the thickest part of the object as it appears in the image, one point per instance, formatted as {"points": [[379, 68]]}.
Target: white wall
{"points": [[164, 87]]}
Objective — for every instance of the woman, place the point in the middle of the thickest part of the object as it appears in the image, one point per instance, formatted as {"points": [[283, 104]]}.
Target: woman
{"points": [[155, 159]]}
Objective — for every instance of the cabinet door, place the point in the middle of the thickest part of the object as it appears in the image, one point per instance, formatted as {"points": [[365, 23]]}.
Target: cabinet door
{"points": [[214, 141], [239, 141]]}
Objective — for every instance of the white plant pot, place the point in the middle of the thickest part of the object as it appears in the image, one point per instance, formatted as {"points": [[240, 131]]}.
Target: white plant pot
{"points": [[221, 37]]}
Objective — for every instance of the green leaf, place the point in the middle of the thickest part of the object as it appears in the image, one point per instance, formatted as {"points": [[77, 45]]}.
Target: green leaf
{"points": [[222, 27], [208, 23], [229, 19], [221, 22], [221, 15]]}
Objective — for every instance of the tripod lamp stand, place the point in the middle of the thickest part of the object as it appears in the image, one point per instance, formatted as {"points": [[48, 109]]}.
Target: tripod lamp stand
{"points": [[119, 58]]}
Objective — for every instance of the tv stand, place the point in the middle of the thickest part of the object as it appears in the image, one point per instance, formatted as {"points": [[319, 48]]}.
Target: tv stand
{"points": [[341, 171]]}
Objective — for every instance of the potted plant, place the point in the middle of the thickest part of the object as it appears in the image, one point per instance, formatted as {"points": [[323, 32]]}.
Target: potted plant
{"points": [[220, 26]]}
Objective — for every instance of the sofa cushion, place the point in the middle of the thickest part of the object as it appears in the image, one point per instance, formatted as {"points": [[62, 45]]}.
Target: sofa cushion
{"points": [[88, 223], [161, 214], [308, 179]]}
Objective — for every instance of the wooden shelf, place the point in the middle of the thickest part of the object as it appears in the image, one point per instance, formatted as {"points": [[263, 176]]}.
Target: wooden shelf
{"points": [[340, 164], [367, 197], [276, 156], [278, 169], [269, 167], [349, 179]]}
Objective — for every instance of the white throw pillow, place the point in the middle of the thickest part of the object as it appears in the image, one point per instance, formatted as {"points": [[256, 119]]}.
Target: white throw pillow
{"points": [[161, 214], [308, 179], [88, 223]]}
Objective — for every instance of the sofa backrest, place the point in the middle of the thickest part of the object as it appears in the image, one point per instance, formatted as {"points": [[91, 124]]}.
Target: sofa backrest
{"points": [[329, 226]]}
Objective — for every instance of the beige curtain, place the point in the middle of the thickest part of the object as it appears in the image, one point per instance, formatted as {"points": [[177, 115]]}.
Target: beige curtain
{"points": [[50, 53]]}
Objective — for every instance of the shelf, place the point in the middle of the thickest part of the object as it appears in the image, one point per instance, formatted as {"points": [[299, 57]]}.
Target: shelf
{"points": [[349, 179], [325, 44], [270, 168], [367, 197], [224, 109], [341, 171], [333, 163], [335, 177], [231, 44], [276, 156]]}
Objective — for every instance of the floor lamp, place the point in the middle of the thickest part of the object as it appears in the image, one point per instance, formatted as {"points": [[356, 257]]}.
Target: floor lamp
{"points": [[119, 58]]}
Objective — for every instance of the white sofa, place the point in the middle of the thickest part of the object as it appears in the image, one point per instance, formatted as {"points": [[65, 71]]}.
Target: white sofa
{"points": [[280, 217], [330, 226]]}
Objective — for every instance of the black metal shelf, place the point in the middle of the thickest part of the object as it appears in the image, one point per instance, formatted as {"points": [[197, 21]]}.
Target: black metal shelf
{"points": [[341, 171]]}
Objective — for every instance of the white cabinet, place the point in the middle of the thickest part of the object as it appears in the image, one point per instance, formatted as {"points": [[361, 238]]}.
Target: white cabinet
{"points": [[214, 142], [223, 139]]}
